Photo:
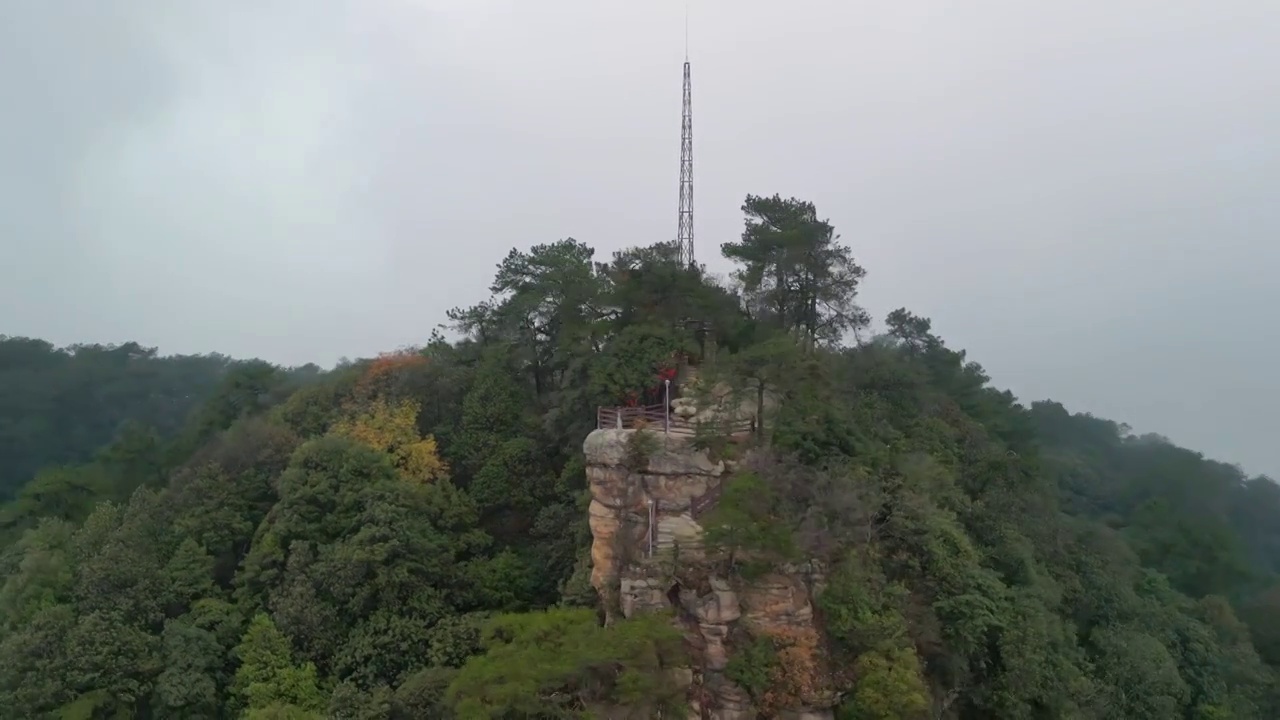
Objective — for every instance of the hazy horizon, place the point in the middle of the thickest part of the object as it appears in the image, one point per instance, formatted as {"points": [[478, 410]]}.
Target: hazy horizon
{"points": [[1078, 197]]}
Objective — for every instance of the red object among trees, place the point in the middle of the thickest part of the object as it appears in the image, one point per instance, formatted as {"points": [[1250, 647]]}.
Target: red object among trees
{"points": [[654, 394], [666, 373]]}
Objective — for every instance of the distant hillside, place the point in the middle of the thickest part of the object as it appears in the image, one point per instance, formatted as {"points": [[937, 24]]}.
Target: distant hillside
{"points": [[59, 405]]}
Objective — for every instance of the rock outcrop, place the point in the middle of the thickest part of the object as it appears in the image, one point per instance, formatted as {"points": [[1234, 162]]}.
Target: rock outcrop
{"points": [[647, 555], [720, 403]]}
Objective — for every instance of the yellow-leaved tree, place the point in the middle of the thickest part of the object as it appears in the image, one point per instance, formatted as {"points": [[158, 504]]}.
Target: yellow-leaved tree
{"points": [[393, 429]]}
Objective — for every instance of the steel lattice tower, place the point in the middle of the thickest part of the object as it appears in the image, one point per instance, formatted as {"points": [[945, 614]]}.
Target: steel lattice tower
{"points": [[684, 235]]}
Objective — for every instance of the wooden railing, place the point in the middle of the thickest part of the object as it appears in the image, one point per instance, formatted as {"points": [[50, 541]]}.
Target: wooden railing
{"points": [[658, 419]]}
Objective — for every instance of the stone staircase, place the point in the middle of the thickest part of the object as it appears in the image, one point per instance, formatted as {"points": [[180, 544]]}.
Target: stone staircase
{"points": [[688, 375]]}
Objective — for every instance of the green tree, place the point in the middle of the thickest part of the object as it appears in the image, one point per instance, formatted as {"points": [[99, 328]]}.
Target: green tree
{"points": [[546, 303], [268, 683], [794, 271], [889, 686], [560, 662], [192, 682], [745, 525]]}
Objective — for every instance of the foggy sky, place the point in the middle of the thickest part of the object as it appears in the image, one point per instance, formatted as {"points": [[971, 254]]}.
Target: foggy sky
{"points": [[1082, 194]]}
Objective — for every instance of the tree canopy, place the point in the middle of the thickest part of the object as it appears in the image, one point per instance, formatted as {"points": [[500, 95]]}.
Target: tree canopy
{"points": [[406, 536]]}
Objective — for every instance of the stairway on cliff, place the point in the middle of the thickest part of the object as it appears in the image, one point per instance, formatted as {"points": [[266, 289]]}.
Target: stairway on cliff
{"points": [[688, 376]]}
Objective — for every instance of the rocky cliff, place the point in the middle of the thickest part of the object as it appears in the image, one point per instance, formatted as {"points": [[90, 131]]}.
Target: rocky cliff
{"points": [[648, 493]]}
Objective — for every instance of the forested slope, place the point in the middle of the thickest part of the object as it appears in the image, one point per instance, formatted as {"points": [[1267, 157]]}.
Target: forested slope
{"points": [[405, 537], [59, 405]]}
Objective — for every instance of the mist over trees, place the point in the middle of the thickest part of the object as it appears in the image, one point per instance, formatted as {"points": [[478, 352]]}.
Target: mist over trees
{"points": [[406, 536], [60, 405]]}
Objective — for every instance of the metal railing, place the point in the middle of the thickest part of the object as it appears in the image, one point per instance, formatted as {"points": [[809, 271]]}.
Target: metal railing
{"points": [[629, 418], [659, 418]]}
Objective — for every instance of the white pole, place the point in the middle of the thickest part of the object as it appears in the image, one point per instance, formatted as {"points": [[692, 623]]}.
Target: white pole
{"points": [[652, 531]]}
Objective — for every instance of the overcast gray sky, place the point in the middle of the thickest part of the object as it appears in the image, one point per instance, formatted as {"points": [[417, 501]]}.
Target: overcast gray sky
{"points": [[1080, 193]]}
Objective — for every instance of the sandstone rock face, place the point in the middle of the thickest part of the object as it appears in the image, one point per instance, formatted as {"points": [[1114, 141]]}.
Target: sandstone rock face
{"points": [[634, 510], [647, 555]]}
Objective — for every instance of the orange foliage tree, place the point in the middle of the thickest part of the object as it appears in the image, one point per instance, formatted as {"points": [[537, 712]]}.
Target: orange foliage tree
{"points": [[800, 675], [385, 373]]}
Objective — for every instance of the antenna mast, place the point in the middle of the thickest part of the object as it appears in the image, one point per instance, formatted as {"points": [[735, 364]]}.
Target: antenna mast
{"points": [[684, 234]]}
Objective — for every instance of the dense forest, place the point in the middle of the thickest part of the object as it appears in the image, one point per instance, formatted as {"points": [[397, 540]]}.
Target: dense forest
{"points": [[406, 536], [60, 405]]}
